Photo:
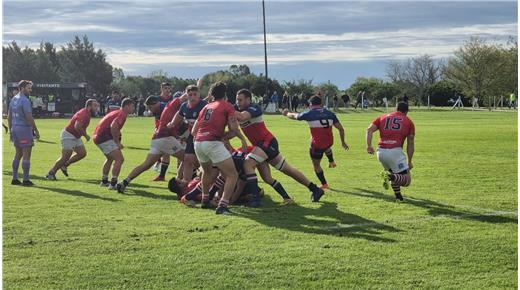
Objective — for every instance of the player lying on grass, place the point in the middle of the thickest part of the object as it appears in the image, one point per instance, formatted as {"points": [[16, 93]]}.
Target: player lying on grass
{"points": [[394, 128], [163, 140], [265, 149], [209, 133], [189, 192], [71, 139], [107, 136], [188, 113], [320, 122]]}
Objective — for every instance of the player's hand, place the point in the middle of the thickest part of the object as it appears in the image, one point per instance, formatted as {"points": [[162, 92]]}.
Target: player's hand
{"points": [[370, 150], [87, 137], [410, 165], [285, 112], [120, 146], [199, 82], [345, 146]]}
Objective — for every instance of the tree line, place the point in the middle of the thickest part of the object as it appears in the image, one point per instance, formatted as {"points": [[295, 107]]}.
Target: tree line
{"points": [[478, 68]]}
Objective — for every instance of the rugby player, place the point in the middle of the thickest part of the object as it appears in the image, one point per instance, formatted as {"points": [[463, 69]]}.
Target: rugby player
{"points": [[394, 128], [71, 139], [107, 136], [164, 98], [208, 132], [114, 103], [23, 128], [188, 114], [320, 122], [163, 140], [265, 149]]}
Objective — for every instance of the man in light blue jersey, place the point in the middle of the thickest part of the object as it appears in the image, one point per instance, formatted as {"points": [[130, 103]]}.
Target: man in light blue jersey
{"points": [[22, 130]]}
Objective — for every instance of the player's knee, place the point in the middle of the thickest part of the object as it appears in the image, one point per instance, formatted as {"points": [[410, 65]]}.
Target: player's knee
{"points": [[281, 165], [82, 154]]}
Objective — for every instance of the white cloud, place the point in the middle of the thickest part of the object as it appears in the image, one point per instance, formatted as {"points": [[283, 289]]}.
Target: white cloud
{"points": [[36, 28]]}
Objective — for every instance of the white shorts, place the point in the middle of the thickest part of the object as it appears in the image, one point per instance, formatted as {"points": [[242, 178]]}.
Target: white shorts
{"points": [[166, 145], [108, 146], [211, 150], [69, 141], [392, 159]]}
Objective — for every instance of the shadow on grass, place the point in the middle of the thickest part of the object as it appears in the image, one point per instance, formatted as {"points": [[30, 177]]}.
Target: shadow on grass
{"points": [[98, 181], [76, 193], [20, 175], [435, 208], [149, 194], [325, 220], [45, 142], [137, 148]]}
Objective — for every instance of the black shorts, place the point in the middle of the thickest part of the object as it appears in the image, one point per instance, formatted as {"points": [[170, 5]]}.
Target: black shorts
{"points": [[316, 153], [190, 147], [270, 148]]}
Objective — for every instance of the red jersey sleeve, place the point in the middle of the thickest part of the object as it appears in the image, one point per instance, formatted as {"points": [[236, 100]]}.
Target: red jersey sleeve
{"points": [[83, 118], [376, 122]]}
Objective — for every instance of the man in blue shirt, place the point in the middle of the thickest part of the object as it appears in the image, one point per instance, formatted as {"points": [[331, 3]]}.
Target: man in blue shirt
{"points": [[114, 103], [22, 126]]}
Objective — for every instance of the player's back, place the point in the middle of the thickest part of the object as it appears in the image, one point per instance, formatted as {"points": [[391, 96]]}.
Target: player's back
{"points": [[83, 116], [213, 119], [320, 121], [103, 132], [167, 115], [393, 129]]}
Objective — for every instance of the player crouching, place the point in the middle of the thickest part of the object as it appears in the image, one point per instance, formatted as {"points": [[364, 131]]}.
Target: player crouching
{"points": [[394, 128]]}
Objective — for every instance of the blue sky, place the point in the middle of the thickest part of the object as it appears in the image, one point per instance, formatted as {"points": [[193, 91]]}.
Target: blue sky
{"points": [[336, 41]]}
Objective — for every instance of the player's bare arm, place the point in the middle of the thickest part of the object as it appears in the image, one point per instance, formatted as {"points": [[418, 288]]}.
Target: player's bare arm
{"points": [[195, 128], [370, 132], [80, 128], [176, 121], [116, 133], [235, 129], [242, 116], [30, 120], [293, 116], [341, 135], [410, 144]]}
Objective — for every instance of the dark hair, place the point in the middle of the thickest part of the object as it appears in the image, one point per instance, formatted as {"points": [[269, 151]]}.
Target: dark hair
{"points": [[151, 100], [165, 84], [126, 102], [23, 83], [315, 101], [192, 88], [89, 102], [218, 90], [173, 186], [244, 92], [402, 107], [115, 92]]}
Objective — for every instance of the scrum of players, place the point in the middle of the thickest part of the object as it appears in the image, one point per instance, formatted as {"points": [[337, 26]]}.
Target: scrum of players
{"points": [[197, 132]]}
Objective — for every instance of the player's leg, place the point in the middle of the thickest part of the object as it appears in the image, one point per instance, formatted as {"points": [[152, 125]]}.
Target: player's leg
{"points": [[147, 164], [255, 157], [118, 158], [79, 153], [265, 173], [165, 163], [238, 191], [65, 155], [15, 165], [316, 156], [281, 164], [330, 157], [106, 170], [26, 165], [208, 174], [227, 169]]}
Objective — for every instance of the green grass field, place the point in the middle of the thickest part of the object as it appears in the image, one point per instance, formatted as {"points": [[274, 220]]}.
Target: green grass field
{"points": [[457, 229]]}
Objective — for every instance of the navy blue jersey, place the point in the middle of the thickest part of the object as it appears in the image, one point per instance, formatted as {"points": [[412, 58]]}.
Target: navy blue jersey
{"points": [[320, 121], [190, 114]]}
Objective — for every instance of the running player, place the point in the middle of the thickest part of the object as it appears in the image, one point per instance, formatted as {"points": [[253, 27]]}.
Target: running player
{"points": [[265, 149], [189, 113], [164, 98], [208, 131], [107, 136], [320, 121], [163, 140], [23, 128], [71, 139], [394, 128]]}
